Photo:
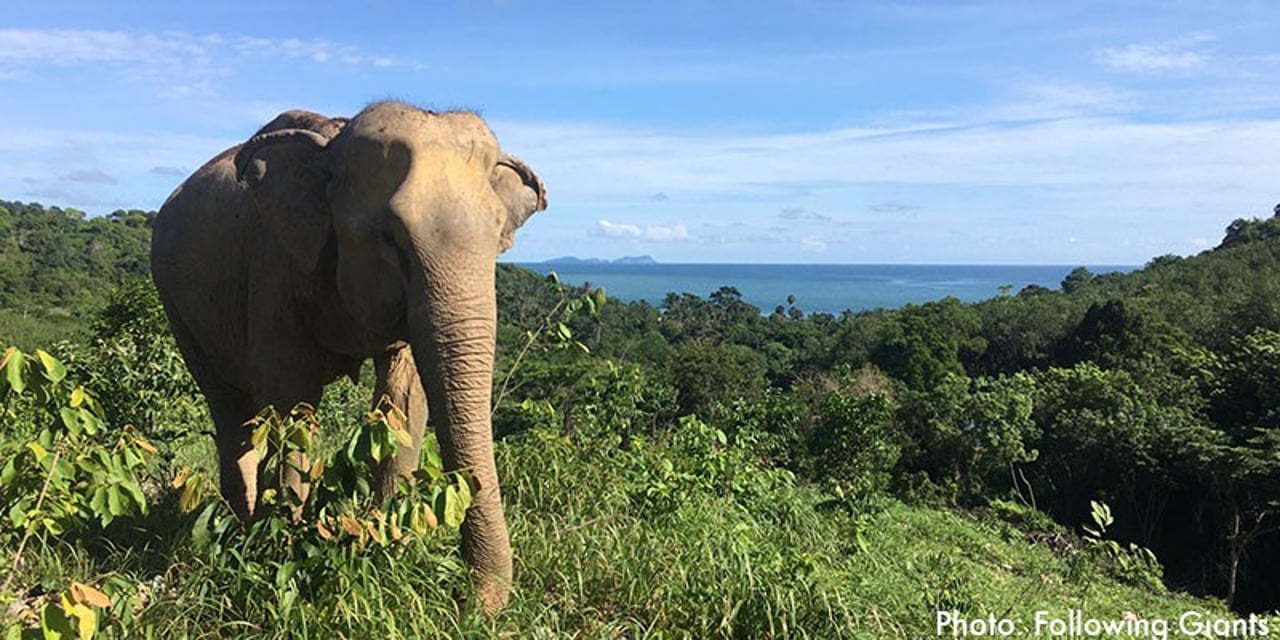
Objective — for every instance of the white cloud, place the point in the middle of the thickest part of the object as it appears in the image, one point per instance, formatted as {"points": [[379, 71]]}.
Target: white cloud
{"points": [[67, 47], [92, 176], [1047, 178], [320, 51], [1174, 55], [657, 233], [606, 228], [892, 206], [677, 232], [182, 64], [813, 243], [800, 213], [591, 165]]}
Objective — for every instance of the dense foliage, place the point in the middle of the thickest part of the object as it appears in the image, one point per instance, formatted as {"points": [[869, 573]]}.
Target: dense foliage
{"points": [[1153, 391], [57, 267], [693, 469]]}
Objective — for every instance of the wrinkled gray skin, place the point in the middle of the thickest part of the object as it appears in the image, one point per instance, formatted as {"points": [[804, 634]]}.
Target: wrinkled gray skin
{"points": [[286, 262]]}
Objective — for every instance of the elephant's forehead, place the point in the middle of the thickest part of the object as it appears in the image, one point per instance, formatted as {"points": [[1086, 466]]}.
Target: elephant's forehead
{"points": [[461, 129]]}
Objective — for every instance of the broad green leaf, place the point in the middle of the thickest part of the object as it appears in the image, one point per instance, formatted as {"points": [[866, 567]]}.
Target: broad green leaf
{"points": [[139, 500], [98, 503], [192, 492], [285, 573], [56, 622], [464, 489], [53, 526], [18, 514], [422, 519], [454, 509], [54, 371], [431, 451], [258, 438], [10, 471], [300, 436], [90, 423], [64, 470], [91, 403], [77, 397], [115, 501], [200, 532], [429, 472], [13, 369], [87, 621], [39, 451], [71, 420]]}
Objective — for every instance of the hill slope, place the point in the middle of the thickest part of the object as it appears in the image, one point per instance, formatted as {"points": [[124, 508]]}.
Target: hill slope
{"points": [[702, 469]]}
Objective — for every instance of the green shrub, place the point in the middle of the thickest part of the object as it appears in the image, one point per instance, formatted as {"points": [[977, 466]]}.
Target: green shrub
{"points": [[67, 471], [854, 442]]}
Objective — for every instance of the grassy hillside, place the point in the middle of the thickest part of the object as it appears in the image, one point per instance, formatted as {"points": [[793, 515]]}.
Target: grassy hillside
{"points": [[679, 536], [698, 469]]}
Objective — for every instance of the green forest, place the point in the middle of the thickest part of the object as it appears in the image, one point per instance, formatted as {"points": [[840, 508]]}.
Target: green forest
{"points": [[699, 468]]}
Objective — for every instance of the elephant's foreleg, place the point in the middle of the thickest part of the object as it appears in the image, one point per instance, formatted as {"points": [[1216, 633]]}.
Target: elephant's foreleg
{"points": [[237, 459], [292, 474], [397, 379]]}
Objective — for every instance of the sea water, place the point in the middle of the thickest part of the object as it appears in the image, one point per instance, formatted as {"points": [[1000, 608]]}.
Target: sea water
{"points": [[815, 288]]}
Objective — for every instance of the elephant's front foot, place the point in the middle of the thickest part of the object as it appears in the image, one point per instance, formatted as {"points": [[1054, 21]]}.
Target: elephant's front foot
{"points": [[239, 481], [296, 483]]}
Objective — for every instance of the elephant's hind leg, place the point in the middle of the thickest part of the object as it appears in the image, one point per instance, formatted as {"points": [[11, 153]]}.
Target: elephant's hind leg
{"points": [[230, 408], [397, 379]]}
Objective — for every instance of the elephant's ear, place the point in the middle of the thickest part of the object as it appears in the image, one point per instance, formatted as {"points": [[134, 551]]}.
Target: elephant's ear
{"points": [[285, 176], [521, 190]]}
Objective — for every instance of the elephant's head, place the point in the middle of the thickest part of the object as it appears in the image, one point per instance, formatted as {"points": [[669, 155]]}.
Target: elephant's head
{"points": [[416, 206]]}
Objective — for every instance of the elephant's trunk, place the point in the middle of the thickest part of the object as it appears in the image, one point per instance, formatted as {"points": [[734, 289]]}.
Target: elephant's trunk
{"points": [[453, 317]]}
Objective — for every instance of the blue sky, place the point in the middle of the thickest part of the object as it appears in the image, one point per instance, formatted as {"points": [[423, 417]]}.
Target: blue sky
{"points": [[804, 131]]}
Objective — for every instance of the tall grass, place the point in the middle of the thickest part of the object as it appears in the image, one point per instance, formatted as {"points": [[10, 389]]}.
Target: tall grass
{"points": [[680, 535]]}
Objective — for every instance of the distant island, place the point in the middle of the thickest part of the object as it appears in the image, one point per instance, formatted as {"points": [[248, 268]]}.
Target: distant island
{"points": [[622, 260]]}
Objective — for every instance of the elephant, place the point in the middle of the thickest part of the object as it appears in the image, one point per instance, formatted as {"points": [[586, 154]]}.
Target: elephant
{"points": [[290, 260]]}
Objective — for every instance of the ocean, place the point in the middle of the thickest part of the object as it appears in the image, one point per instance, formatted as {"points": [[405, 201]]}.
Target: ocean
{"points": [[829, 288]]}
